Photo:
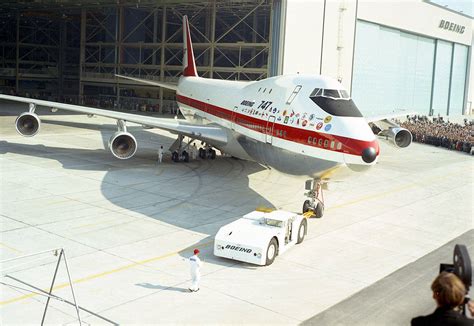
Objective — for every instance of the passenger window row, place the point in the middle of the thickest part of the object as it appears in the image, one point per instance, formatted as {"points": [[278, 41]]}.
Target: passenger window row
{"points": [[324, 143]]}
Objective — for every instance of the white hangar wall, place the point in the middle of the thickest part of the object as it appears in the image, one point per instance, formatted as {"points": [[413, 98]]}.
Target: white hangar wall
{"points": [[302, 37], [391, 55]]}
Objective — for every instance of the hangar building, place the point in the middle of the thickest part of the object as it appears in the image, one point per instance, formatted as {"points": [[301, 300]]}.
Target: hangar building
{"points": [[392, 56]]}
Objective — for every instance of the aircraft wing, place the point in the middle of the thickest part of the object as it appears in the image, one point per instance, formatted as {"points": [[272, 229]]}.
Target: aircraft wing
{"points": [[388, 116], [151, 82], [212, 134], [390, 130]]}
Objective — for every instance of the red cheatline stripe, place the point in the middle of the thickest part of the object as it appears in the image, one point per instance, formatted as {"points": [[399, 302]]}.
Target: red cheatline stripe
{"points": [[283, 131]]}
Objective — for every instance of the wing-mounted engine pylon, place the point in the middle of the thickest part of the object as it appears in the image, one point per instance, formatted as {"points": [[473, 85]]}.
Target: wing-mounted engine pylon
{"points": [[396, 135], [123, 144], [28, 123]]}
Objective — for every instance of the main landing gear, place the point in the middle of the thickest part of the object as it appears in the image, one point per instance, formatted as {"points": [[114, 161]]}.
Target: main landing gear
{"points": [[178, 152], [315, 203], [207, 152], [182, 151], [180, 157]]}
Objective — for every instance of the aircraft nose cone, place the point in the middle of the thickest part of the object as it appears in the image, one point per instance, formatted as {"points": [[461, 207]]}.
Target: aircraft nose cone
{"points": [[369, 155]]}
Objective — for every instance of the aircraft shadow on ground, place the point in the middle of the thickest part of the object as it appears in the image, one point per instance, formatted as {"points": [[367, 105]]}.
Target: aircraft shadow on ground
{"points": [[216, 191]]}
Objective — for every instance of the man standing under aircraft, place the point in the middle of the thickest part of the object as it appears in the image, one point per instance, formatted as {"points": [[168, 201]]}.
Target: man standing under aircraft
{"points": [[195, 264], [160, 154]]}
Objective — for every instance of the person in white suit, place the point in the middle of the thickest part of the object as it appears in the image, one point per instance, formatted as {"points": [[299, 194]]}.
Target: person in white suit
{"points": [[160, 154], [195, 264]]}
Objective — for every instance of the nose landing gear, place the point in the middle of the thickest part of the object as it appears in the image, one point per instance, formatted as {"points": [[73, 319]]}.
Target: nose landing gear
{"points": [[315, 203]]}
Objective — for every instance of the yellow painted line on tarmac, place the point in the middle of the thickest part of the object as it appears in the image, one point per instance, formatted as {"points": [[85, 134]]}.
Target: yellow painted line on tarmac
{"points": [[153, 259], [58, 201], [11, 248], [394, 190], [368, 197], [98, 275], [90, 224]]}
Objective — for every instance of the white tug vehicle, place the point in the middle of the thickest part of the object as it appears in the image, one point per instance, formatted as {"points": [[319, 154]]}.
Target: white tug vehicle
{"points": [[258, 237]]}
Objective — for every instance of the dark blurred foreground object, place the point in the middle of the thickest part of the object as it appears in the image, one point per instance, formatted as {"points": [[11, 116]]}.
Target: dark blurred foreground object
{"points": [[449, 291]]}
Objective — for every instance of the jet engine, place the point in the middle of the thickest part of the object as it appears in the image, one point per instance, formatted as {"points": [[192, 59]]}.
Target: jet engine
{"points": [[400, 137], [123, 145], [27, 124]]}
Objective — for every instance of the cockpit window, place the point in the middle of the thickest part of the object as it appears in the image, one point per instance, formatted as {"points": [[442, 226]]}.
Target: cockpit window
{"points": [[317, 92], [344, 93], [335, 102], [331, 93]]}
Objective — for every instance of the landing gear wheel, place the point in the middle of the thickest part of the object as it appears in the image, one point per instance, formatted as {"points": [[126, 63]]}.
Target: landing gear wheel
{"points": [[306, 206], [319, 210], [185, 156], [175, 157], [316, 202], [213, 154], [202, 153], [302, 231], [272, 251]]}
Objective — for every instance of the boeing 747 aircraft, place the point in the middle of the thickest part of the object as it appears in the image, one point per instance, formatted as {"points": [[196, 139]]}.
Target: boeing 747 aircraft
{"points": [[297, 124]]}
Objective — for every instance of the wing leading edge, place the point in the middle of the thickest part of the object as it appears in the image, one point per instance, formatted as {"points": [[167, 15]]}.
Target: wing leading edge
{"points": [[150, 82], [212, 134], [389, 116]]}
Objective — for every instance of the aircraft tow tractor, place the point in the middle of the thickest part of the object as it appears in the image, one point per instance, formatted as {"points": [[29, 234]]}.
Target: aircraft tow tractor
{"points": [[258, 237]]}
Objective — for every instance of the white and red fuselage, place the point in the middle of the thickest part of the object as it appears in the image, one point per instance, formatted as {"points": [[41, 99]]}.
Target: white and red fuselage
{"points": [[297, 124]]}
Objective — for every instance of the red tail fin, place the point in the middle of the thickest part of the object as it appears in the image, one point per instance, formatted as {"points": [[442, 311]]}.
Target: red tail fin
{"points": [[189, 65]]}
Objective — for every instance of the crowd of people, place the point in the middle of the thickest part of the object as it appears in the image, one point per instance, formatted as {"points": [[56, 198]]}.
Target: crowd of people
{"points": [[442, 133]]}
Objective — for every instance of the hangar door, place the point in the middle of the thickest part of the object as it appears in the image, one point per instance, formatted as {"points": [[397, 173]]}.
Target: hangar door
{"points": [[392, 70], [396, 71]]}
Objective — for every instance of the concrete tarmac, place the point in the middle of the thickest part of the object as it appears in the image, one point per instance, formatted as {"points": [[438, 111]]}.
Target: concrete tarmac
{"points": [[400, 296], [126, 225]]}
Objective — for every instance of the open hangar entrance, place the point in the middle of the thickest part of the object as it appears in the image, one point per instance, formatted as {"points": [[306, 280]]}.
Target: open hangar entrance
{"points": [[70, 52]]}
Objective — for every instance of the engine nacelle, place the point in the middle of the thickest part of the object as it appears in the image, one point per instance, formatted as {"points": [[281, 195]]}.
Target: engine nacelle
{"points": [[400, 137], [123, 145], [28, 124]]}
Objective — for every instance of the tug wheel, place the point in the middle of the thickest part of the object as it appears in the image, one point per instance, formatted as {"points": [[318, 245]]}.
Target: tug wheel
{"points": [[272, 251], [302, 231]]}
